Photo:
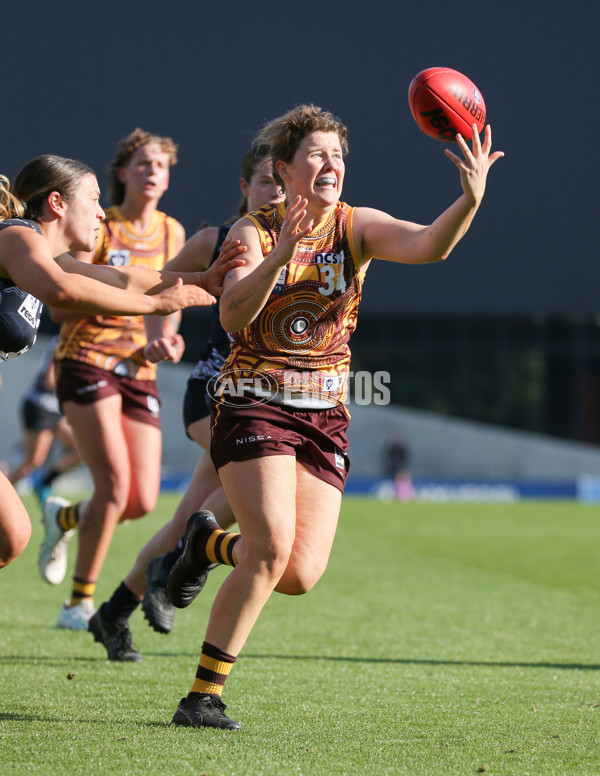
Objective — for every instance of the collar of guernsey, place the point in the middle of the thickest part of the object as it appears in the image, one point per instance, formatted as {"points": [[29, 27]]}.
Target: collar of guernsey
{"points": [[296, 350]]}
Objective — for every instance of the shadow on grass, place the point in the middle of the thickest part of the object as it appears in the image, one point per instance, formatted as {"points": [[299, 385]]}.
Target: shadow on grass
{"points": [[30, 718], [50, 660], [5, 717], [431, 662], [65, 662]]}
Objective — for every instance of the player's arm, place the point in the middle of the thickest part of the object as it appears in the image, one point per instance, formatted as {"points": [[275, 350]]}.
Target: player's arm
{"points": [[246, 289], [137, 278], [196, 253], [144, 280], [27, 260], [162, 332], [384, 237], [60, 315]]}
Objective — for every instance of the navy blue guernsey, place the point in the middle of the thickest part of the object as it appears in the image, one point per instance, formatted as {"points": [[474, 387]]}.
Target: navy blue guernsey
{"points": [[219, 342], [218, 339], [19, 311]]}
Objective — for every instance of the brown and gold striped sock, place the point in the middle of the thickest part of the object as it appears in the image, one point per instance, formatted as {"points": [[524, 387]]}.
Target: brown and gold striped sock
{"points": [[68, 517], [81, 590], [213, 670], [219, 547]]}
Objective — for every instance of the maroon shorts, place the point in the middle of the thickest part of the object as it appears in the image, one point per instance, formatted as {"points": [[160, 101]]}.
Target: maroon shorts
{"points": [[249, 429], [84, 383]]}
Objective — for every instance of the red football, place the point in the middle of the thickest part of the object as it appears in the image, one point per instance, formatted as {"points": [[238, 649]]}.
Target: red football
{"points": [[446, 103]]}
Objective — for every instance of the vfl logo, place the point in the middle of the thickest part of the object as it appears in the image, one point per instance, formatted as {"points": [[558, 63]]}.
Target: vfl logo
{"points": [[227, 387], [118, 258], [154, 406]]}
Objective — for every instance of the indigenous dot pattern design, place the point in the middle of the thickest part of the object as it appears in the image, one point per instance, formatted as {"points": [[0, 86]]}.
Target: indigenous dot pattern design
{"points": [[309, 316]]}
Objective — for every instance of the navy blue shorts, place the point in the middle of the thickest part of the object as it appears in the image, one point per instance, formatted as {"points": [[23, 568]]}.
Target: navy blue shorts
{"points": [[196, 402], [36, 417]]}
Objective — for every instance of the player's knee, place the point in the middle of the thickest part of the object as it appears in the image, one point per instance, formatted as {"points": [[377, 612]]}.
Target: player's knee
{"points": [[133, 512], [271, 559], [298, 581], [111, 493], [292, 587], [138, 507]]}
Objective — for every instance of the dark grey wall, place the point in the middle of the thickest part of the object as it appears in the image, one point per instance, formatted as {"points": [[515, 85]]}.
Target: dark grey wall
{"points": [[79, 76]]}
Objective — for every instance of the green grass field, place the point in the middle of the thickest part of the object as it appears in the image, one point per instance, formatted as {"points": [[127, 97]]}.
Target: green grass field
{"points": [[443, 639]]}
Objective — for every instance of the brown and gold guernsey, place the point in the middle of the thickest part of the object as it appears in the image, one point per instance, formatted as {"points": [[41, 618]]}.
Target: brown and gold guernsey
{"points": [[297, 346], [116, 343]]}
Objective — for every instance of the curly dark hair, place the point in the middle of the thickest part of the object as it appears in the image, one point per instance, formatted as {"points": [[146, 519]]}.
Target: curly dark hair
{"points": [[284, 134]]}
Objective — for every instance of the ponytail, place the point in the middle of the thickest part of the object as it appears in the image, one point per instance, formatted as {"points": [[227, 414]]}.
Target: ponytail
{"points": [[10, 206]]}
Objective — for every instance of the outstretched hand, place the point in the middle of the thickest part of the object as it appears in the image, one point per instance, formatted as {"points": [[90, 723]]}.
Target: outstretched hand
{"points": [[229, 258], [476, 162], [179, 296]]}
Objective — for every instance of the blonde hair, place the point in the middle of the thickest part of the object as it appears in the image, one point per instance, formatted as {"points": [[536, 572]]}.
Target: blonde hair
{"points": [[284, 134], [126, 149], [10, 206], [36, 181]]}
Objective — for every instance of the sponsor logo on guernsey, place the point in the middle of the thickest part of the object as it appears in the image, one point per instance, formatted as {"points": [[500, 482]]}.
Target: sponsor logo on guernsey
{"points": [[29, 310], [329, 258]]}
